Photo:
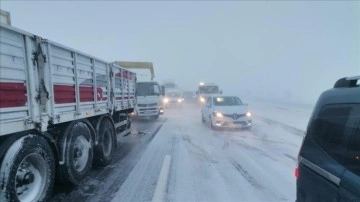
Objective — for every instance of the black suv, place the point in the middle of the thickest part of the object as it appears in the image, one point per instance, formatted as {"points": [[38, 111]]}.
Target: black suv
{"points": [[329, 158]]}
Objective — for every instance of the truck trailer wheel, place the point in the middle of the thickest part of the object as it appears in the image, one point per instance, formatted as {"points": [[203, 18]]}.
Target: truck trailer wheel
{"points": [[27, 170], [77, 143], [105, 148]]}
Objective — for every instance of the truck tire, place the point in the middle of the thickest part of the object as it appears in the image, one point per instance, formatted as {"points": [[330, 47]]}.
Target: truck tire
{"points": [[27, 171], [76, 142], [105, 148]]}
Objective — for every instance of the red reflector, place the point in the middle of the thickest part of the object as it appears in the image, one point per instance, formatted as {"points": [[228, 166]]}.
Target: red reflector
{"points": [[296, 173]]}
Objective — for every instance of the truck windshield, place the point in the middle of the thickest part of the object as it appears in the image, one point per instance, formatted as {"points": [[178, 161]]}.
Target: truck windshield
{"points": [[147, 89], [208, 89]]}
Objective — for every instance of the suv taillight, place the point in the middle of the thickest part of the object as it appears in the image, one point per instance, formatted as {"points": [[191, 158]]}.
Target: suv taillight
{"points": [[298, 158]]}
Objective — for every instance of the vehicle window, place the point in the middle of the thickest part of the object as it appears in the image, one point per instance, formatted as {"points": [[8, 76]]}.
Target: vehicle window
{"points": [[353, 150], [337, 131], [227, 101], [147, 89], [156, 89], [208, 90]]}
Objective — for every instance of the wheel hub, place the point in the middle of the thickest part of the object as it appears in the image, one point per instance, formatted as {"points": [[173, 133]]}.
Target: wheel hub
{"points": [[80, 153], [31, 177], [25, 179]]}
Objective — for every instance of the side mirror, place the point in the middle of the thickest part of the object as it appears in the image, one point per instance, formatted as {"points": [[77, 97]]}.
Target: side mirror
{"points": [[163, 90]]}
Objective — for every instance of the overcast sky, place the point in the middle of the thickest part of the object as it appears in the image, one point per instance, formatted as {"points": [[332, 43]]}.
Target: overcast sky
{"points": [[281, 50]]}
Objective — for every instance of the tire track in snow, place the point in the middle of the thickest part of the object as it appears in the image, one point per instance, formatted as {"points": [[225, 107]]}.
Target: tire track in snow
{"points": [[289, 128], [197, 150], [246, 175], [252, 181], [290, 157]]}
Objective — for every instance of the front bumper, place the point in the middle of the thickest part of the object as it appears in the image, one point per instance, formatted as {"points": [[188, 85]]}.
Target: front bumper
{"points": [[226, 122], [147, 111]]}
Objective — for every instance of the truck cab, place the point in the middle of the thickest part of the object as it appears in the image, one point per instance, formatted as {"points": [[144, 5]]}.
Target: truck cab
{"points": [[205, 90], [149, 94], [148, 99]]}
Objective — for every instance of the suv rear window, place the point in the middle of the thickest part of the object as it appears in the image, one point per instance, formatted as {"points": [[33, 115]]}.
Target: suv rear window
{"points": [[337, 131]]}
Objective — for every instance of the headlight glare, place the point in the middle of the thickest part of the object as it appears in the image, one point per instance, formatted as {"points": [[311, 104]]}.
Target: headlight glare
{"points": [[218, 114]]}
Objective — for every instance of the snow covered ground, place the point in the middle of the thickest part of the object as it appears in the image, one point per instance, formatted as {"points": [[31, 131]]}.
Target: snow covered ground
{"points": [[207, 165], [287, 114]]}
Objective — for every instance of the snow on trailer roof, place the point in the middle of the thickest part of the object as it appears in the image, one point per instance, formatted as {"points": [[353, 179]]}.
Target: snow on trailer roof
{"points": [[137, 65]]}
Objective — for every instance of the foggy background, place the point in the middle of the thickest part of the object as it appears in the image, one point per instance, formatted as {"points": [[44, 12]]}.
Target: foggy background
{"points": [[261, 50]]}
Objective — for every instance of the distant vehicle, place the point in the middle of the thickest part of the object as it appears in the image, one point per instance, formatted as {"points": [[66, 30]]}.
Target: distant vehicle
{"points": [[189, 95], [329, 158], [169, 85], [205, 90], [173, 98], [226, 112], [149, 93]]}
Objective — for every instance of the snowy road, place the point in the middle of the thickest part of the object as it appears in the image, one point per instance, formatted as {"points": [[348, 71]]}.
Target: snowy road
{"points": [[205, 165]]}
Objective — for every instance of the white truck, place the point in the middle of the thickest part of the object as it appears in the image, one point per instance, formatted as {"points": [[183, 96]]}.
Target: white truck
{"points": [[206, 89], [149, 93], [60, 112]]}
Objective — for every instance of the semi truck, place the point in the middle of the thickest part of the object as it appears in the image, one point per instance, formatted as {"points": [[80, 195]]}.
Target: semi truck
{"points": [[149, 94], [60, 113]]}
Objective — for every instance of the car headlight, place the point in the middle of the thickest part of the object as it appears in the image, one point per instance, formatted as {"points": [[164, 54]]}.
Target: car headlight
{"points": [[179, 100], [202, 99], [165, 100], [218, 114], [248, 114]]}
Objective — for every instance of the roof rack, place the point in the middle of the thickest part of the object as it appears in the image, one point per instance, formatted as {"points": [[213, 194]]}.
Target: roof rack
{"points": [[347, 82]]}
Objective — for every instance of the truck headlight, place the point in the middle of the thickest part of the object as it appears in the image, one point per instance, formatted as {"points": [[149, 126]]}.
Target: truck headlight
{"points": [[248, 114], [165, 100], [202, 99]]}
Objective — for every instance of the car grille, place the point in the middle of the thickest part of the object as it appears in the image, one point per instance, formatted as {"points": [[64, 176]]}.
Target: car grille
{"points": [[234, 116]]}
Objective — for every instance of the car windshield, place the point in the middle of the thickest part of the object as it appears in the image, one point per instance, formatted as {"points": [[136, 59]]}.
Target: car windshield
{"points": [[227, 101], [208, 89], [147, 89]]}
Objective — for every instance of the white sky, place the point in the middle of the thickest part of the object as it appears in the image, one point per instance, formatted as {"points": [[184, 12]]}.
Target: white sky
{"points": [[265, 49]]}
